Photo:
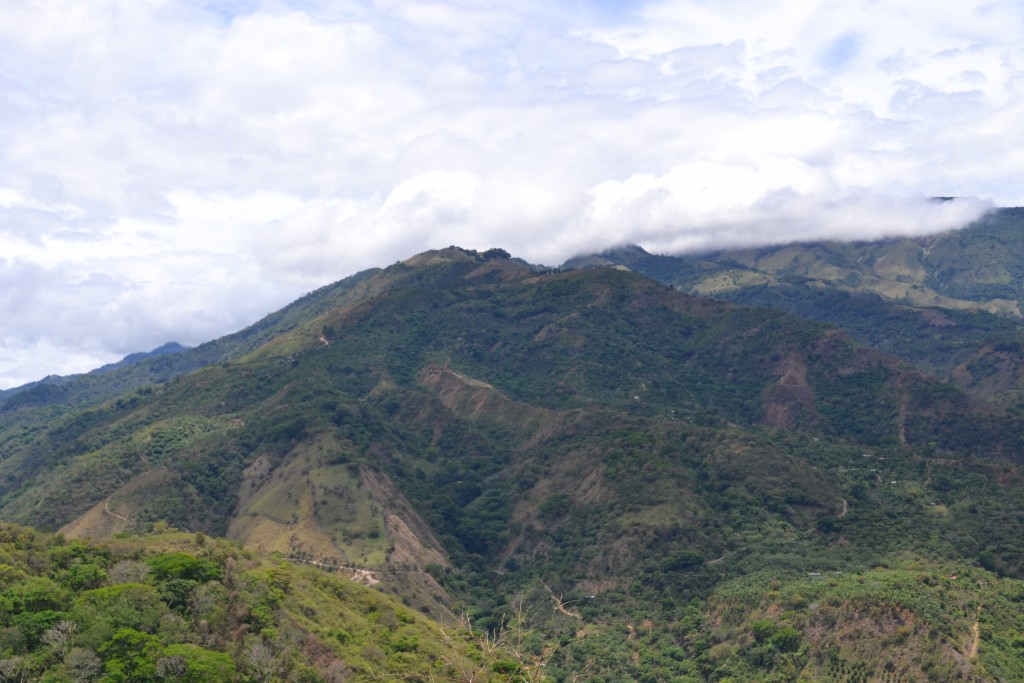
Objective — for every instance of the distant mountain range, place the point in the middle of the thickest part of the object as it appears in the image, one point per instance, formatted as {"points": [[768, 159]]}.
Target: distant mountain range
{"points": [[52, 381], [950, 303]]}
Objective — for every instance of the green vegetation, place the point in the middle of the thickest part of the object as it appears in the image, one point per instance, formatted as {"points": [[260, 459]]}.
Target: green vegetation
{"points": [[950, 303], [180, 607], [659, 487]]}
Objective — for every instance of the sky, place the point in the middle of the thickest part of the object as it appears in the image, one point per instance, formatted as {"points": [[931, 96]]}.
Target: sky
{"points": [[175, 170]]}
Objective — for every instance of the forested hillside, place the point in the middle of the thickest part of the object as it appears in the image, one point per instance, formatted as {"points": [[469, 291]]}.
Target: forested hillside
{"points": [[172, 606], [656, 486], [950, 303]]}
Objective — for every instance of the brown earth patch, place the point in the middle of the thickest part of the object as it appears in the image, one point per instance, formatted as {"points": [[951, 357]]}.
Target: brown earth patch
{"points": [[790, 401], [471, 398], [414, 544], [408, 550], [936, 318], [252, 477]]}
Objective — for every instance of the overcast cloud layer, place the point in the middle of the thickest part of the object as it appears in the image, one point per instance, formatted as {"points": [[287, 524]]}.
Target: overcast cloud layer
{"points": [[175, 170]]}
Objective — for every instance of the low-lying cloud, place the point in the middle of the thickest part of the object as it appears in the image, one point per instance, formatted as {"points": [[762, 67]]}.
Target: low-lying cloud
{"points": [[174, 171]]}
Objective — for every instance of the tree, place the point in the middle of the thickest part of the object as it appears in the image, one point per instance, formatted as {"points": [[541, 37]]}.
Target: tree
{"points": [[13, 670], [131, 656], [172, 668], [187, 663], [261, 661], [61, 637], [82, 665], [474, 656]]}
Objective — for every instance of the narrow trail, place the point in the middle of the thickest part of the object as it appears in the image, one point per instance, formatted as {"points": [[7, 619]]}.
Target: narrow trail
{"points": [[902, 420], [846, 508], [106, 509], [972, 648], [719, 560], [560, 606], [359, 574]]}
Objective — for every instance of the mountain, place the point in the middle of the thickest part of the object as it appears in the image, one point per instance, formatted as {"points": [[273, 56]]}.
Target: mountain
{"points": [[168, 349], [55, 395], [670, 487], [51, 394], [950, 303]]}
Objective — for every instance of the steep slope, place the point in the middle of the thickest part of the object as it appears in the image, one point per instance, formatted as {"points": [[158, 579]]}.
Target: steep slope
{"points": [[469, 429], [53, 395]]}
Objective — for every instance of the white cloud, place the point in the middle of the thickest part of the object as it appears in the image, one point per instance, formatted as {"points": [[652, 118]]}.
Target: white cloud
{"points": [[170, 170]]}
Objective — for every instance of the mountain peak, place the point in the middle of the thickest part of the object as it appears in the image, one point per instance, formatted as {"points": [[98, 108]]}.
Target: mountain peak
{"points": [[432, 257], [626, 250], [615, 256], [169, 348], [454, 254]]}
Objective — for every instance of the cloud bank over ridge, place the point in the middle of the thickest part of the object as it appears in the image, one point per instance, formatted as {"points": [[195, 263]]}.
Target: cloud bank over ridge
{"points": [[174, 170]]}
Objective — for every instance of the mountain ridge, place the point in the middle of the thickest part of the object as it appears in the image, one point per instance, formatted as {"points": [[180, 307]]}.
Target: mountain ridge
{"points": [[471, 433], [950, 302]]}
